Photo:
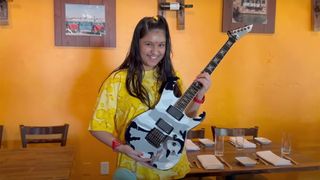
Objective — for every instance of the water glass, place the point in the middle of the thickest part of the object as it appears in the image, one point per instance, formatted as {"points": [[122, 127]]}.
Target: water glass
{"points": [[286, 143], [239, 138], [219, 145]]}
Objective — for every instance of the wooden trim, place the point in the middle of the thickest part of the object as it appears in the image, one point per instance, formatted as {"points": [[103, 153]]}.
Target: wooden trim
{"points": [[1, 132], [160, 11], [316, 15], [180, 17], [4, 13]]}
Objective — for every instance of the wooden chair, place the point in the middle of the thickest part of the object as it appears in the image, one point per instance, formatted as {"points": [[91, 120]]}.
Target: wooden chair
{"points": [[1, 131], [193, 134], [251, 132], [44, 134]]}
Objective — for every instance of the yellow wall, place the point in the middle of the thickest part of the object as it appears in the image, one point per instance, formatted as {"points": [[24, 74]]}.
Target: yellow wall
{"points": [[269, 80]]}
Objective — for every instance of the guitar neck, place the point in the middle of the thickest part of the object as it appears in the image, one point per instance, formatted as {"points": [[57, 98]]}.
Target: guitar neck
{"points": [[193, 89]]}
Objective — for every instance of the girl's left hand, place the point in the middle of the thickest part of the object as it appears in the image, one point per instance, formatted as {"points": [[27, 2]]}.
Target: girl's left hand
{"points": [[205, 80]]}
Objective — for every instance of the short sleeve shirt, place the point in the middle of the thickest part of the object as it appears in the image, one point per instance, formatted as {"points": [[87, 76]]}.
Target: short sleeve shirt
{"points": [[115, 110]]}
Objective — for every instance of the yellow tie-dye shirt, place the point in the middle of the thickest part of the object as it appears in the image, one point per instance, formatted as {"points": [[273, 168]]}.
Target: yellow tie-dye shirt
{"points": [[114, 111]]}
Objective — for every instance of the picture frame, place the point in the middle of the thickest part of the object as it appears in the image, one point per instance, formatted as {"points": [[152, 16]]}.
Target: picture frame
{"points": [[4, 17], [85, 23], [316, 15], [260, 13]]}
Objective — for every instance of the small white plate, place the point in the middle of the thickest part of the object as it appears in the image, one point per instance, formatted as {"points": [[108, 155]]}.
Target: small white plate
{"points": [[246, 161], [263, 140]]}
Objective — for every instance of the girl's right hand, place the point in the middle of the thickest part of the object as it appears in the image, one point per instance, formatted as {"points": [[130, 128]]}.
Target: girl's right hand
{"points": [[137, 156]]}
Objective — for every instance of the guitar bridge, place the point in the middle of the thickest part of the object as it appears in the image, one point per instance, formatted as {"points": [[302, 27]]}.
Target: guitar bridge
{"points": [[155, 137]]}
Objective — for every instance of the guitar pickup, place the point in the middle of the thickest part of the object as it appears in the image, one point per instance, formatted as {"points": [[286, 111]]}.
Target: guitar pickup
{"points": [[174, 112], [164, 126]]}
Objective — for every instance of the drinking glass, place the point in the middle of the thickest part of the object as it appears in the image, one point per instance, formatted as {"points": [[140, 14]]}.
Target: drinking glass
{"points": [[219, 145], [239, 138], [285, 143]]}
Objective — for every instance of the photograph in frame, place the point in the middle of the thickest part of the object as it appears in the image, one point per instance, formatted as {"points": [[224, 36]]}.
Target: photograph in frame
{"points": [[250, 11], [260, 13], [85, 20]]}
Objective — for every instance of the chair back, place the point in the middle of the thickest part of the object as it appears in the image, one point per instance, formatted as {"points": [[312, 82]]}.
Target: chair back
{"points": [[43, 134], [217, 131], [1, 131], [199, 133]]}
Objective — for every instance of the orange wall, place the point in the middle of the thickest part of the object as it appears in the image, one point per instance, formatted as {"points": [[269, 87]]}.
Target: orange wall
{"points": [[269, 80]]}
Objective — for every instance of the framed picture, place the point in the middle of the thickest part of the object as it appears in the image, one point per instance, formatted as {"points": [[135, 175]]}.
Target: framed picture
{"points": [[85, 23], [4, 12], [316, 14], [260, 13]]}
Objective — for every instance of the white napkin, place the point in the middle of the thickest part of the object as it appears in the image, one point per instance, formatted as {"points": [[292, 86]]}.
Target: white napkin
{"points": [[210, 161], [263, 140], [206, 142], [246, 143], [273, 158], [190, 146]]}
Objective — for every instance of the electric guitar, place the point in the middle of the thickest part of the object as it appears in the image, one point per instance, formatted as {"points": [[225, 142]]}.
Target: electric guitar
{"points": [[160, 133]]}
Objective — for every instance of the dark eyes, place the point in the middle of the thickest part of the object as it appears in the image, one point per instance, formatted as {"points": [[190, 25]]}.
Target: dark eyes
{"points": [[150, 44], [147, 44]]}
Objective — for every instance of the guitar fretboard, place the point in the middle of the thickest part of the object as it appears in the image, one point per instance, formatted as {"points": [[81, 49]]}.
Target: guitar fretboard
{"points": [[193, 89]]}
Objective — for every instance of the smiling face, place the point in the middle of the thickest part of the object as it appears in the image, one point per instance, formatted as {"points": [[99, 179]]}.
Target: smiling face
{"points": [[152, 48]]}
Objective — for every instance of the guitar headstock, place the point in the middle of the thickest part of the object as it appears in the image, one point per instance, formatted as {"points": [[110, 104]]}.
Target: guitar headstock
{"points": [[239, 32]]}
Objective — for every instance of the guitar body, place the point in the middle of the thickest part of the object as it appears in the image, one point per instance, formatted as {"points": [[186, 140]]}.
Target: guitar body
{"points": [[160, 135]]}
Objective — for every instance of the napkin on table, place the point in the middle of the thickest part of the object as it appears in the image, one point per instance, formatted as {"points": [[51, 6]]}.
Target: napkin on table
{"points": [[263, 140], [209, 161], [206, 142], [273, 158], [246, 143], [190, 146]]}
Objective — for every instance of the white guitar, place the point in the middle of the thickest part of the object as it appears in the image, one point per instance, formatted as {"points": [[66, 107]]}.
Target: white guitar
{"points": [[160, 133]]}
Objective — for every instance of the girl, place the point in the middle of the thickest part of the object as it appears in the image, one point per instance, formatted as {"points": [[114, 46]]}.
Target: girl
{"points": [[135, 87]]}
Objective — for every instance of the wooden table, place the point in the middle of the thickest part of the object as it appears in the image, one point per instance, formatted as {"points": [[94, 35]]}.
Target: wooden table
{"points": [[308, 159], [36, 163]]}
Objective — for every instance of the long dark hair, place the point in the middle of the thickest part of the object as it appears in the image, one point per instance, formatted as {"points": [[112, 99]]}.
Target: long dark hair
{"points": [[133, 61]]}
